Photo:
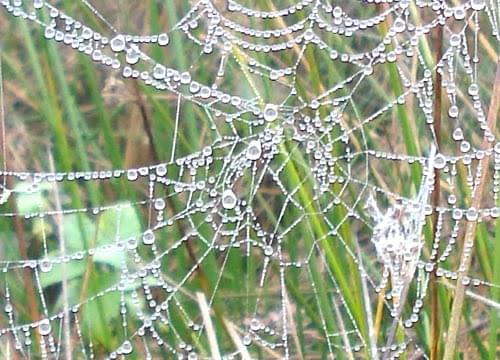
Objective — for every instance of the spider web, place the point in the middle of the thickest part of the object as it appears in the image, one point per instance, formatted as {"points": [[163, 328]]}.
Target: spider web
{"points": [[291, 183]]}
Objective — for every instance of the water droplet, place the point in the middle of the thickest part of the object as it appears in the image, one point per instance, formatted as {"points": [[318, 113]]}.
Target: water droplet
{"points": [[399, 25], [131, 243], [473, 89], [8, 308], [53, 13], [337, 12], [132, 174], [471, 214], [148, 238], [268, 250], [254, 150], [163, 39], [126, 347], [194, 87], [185, 78], [49, 32], [132, 56], [457, 214], [459, 13], [270, 112], [127, 72], [44, 327], [458, 134], [159, 72], [159, 204], [308, 35], [439, 161], [229, 200], [247, 340], [464, 146], [161, 170], [205, 92], [455, 40], [118, 43], [45, 265], [477, 5], [453, 111], [38, 4]]}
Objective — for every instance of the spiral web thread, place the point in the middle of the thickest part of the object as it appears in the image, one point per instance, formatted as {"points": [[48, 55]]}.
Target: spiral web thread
{"points": [[326, 138]]}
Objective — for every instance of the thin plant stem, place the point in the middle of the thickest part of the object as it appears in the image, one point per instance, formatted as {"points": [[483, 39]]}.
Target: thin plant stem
{"points": [[470, 230], [18, 222], [64, 279], [5, 192], [438, 44], [207, 322]]}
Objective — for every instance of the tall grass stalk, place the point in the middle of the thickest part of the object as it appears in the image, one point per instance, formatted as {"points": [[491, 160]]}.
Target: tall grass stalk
{"points": [[470, 229]]}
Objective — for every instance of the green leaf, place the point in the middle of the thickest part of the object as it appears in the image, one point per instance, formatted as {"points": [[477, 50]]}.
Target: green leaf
{"points": [[30, 202], [119, 223], [116, 225], [98, 315], [73, 270], [78, 231]]}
